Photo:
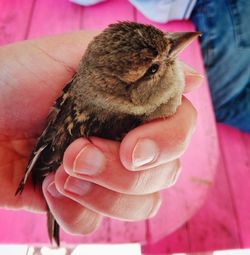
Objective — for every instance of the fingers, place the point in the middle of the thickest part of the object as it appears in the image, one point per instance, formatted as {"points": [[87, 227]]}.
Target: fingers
{"points": [[193, 79], [95, 177], [97, 160], [153, 147], [159, 141], [105, 201], [77, 220]]}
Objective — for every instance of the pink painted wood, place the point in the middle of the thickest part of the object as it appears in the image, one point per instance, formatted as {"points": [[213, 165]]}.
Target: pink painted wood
{"points": [[236, 155], [199, 163], [14, 24], [215, 225], [176, 242], [54, 17], [223, 221]]}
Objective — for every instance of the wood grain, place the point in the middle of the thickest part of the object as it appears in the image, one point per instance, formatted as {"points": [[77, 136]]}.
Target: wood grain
{"points": [[15, 19], [214, 226], [176, 242], [236, 154], [54, 17]]}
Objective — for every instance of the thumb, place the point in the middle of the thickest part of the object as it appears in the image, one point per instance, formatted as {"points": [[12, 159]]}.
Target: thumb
{"points": [[159, 141]]}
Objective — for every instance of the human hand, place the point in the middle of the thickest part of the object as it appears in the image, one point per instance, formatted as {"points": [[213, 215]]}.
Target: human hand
{"points": [[32, 74]]}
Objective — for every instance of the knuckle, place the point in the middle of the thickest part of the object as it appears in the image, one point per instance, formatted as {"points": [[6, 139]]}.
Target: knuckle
{"points": [[168, 175], [139, 182], [174, 173], [156, 203], [155, 179], [115, 205], [183, 136], [192, 112], [84, 223]]}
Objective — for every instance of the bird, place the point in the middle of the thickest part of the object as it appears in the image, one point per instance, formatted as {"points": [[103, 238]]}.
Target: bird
{"points": [[128, 75]]}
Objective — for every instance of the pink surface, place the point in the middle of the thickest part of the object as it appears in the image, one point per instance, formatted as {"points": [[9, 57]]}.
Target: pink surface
{"points": [[223, 220], [236, 155], [217, 223]]}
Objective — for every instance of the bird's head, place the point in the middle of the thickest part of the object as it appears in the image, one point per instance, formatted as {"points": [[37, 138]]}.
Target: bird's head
{"points": [[135, 65]]}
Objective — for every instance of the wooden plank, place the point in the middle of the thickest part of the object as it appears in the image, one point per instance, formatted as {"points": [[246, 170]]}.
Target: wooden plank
{"points": [[52, 17], [235, 147], [182, 200], [214, 226], [174, 243], [101, 15], [26, 227], [14, 20], [22, 227]]}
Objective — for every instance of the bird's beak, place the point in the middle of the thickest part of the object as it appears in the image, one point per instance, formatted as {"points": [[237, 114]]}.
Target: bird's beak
{"points": [[180, 40]]}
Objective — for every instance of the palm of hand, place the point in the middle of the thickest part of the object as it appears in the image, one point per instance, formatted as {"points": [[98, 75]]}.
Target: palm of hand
{"points": [[32, 75]]}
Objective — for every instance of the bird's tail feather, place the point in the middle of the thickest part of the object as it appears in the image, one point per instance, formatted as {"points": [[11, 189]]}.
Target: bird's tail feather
{"points": [[33, 160], [53, 228]]}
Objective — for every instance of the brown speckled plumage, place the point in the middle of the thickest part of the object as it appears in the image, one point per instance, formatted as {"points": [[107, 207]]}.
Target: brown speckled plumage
{"points": [[128, 75]]}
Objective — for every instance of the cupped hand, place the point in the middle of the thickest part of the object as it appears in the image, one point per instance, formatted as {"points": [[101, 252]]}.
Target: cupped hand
{"points": [[98, 176]]}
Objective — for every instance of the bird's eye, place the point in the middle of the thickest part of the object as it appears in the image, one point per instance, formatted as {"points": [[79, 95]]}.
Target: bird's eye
{"points": [[152, 69]]}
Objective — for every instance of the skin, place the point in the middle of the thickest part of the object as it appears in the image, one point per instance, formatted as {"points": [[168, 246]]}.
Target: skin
{"points": [[126, 175]]}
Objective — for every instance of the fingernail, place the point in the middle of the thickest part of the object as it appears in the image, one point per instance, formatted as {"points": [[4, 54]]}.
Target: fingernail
{"points": [[145, 151], [53, 190], [77, 186], [89, 161]]}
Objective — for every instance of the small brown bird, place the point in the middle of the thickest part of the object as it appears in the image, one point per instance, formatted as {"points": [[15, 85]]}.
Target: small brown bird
{"points": [[128, 75]]}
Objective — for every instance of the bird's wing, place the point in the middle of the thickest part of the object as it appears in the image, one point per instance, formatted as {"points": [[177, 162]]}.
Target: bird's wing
{"points": [[47, 153]]}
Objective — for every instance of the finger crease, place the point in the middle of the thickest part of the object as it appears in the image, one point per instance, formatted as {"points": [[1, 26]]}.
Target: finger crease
{"points": [[68, 68]]}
